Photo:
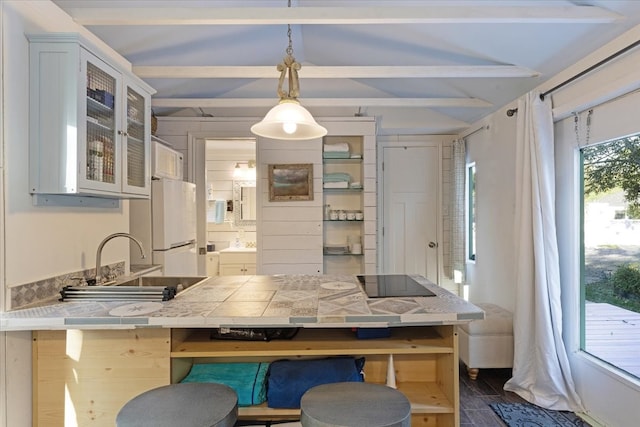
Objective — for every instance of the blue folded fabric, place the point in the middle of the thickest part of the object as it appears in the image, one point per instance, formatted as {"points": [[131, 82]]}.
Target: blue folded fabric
{"points": [[220, 207], [288, 380], [247, 379]]}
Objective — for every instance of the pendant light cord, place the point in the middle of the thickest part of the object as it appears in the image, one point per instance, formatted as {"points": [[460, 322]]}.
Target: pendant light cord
{"points": [[289, 70], [290, 48], [289, 120]]}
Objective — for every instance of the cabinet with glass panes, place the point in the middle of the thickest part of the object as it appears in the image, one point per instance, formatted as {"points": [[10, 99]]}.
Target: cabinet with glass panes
{"points": [[90, 125]]}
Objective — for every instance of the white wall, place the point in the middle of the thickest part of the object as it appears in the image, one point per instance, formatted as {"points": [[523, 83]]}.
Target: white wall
{"points": [[491, 278], [290, 232], [3, 336], [39, 242], [43, 241], [609, 398]]}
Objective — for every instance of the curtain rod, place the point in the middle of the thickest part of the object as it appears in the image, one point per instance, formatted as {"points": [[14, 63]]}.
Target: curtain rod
{"points": [[485, 127], [591, 68]]}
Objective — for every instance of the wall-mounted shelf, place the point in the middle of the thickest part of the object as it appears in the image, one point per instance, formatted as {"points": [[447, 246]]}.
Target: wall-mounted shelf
{"points": [[337, 232], [329, 161], [342, 190]]}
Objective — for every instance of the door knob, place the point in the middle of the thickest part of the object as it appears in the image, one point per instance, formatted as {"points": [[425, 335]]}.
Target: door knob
{"points": [[433, 245]]}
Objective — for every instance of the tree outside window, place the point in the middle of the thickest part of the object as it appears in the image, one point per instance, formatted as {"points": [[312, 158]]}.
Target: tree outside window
{"points": [[610, 279]]}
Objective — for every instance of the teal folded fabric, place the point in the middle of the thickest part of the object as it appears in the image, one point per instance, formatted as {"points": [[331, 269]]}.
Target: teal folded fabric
{"points": [[247, 379], [336, 177]]}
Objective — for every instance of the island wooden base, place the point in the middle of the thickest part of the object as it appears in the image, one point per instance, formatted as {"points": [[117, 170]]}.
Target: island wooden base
{"points": [[84, 377], [89, 375]]}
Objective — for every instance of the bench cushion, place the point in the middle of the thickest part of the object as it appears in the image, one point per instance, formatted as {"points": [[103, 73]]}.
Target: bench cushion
{"points": [[496, 321]]}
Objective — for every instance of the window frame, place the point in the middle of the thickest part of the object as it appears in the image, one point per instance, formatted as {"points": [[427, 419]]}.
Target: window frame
{"points": [[621, 373]]}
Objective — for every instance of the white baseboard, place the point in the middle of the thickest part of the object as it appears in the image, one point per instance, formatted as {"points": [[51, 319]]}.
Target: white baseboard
{"points": [[590, 420]]}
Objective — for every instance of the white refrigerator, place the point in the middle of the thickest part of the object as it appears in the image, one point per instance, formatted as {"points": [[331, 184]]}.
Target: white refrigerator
{"points": [[166, 225]]}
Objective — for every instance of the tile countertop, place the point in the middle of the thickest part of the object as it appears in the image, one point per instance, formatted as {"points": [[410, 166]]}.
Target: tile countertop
{"points": [[255, 301]]}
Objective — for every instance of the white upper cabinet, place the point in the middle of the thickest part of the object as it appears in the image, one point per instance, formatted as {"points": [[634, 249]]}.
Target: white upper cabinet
{"points": [[89, 122]]}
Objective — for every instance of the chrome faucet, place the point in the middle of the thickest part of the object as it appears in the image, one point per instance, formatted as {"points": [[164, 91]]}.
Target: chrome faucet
{"points": [[98, 278]]}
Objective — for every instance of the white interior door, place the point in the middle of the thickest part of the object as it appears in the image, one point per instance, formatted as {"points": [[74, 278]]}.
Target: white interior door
{"points": [[410, 210]]}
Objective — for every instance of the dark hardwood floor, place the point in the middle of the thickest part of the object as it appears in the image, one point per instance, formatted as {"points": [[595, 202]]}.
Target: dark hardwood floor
{"points": [[475, 397]]}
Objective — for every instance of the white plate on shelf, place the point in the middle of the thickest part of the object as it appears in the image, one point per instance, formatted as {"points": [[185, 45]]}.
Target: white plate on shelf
{"points": [[336, 250]]}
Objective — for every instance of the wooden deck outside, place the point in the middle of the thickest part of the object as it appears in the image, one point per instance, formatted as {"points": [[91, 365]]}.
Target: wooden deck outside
{"points": [[613, 335]]}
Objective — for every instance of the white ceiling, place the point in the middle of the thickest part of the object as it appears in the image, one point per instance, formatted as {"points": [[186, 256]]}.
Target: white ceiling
{"points": [[418, 66]]}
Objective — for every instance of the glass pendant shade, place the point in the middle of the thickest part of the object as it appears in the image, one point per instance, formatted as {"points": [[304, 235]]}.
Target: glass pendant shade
{"points": [[289, 121]]}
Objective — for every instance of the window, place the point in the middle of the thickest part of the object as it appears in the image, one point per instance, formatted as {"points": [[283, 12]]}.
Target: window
{"points": [[610, 252], [471, 211]]}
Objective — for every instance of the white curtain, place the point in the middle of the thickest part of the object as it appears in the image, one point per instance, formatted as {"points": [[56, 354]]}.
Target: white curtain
{"points": [[457, 208], [541, 371]]}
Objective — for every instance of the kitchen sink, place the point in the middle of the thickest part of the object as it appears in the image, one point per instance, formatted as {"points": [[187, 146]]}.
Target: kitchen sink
{"points": [[140, 288]]}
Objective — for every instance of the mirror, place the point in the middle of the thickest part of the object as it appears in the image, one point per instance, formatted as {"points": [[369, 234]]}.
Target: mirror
{"points": [[244, 202]]}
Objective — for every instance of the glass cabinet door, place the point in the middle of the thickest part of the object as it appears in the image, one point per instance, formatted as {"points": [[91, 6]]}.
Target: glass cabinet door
{"points": [[136, 154], [101, 126]]}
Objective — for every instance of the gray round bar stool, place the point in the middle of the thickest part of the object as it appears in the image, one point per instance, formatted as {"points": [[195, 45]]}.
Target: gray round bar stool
{"points": [[181, 405], [354, 404]]}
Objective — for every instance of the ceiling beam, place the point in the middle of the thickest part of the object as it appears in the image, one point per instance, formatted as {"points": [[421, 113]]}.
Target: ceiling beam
{"points": [[337, 72], [463, 14], [320, 102]]}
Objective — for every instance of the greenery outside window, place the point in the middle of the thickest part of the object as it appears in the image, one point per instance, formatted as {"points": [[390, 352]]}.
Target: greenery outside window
{"points": [[610, 252], [471, 212]]}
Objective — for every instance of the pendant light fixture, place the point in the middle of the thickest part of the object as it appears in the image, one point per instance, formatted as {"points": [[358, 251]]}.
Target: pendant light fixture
{"points": [[289, 120]]}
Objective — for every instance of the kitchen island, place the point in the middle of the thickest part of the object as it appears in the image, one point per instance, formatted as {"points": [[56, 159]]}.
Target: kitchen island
{"points": [[92, 357]]}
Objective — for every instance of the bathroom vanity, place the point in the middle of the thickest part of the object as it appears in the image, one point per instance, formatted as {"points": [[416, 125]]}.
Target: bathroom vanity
{"points": [[238, 261]]}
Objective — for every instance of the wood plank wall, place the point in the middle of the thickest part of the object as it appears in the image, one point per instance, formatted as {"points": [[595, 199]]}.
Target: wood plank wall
{"points": [[289, 234]]}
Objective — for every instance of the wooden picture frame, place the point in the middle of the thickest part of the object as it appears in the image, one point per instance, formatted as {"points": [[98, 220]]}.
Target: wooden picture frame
{"points": [[291, 182]]}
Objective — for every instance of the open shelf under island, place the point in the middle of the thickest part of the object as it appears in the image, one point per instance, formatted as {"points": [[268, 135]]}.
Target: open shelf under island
{"points": [[89, 363]]}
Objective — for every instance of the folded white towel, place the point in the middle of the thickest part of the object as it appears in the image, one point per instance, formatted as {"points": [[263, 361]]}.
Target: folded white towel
{"points": [[336, 146], [337, 184]]}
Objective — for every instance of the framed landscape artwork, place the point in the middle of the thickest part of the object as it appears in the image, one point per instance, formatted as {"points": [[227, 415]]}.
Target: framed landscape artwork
{"points": [[291, 182]]}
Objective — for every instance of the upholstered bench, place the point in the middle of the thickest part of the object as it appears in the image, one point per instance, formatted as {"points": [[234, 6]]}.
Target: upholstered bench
{"points": [[487, 343]]}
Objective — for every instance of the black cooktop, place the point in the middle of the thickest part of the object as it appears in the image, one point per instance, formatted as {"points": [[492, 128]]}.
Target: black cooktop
{"points": [[393, 285]]}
